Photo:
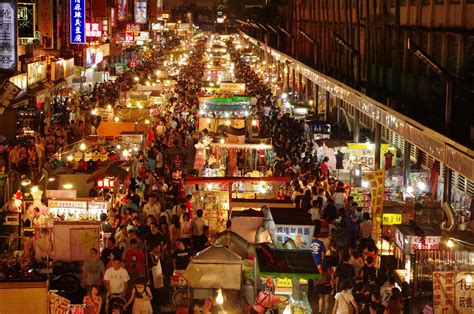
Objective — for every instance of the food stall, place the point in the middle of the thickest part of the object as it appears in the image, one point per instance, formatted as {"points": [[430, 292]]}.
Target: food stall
{"points": [[77, 209], [214, 268]]}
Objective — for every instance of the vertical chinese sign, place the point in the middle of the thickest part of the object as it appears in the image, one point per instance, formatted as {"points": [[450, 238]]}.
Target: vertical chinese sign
{"points": [[8, 37], [78, 22], [464, 293], [443, 292], [122, 10], [45, 23], [377, 186], [26, 20]]}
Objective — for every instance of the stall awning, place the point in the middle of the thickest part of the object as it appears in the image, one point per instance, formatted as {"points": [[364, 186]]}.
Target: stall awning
{"points": [[114, 169], [216, 254], [287, 264]]}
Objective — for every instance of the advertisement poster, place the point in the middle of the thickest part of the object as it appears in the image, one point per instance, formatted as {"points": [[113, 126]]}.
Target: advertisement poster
{"points": [[45, 23], [26, 20], [36, 72], [302, 235], [122, 9], [78, 22], [140, 12], [8, 38], [464, 293]]}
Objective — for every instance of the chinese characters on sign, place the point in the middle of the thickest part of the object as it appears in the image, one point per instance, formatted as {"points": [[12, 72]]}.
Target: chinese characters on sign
{"points": [[9, 92], [464, 293], [93, 30], [426, 243], [377, 182], [78, 22], [443, 292], [26, 20], [45, 22], [302, 235], [8, 51], [391, 219], [133, 28]]}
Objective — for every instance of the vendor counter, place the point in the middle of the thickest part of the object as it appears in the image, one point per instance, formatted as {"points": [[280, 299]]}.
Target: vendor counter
{"points": [[24, 297]]}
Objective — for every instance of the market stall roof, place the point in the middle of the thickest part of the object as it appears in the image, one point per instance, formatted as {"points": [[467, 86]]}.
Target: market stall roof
{"points": [[430, 230], [216, 254], [201, 180], [113, 169], [287, 263]]}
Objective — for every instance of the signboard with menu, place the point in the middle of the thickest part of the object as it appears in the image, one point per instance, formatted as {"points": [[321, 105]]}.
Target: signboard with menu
{"points": [[232, 88], [443, 292], [464, 292], [302, 235], [8, 38], [26, 20]]}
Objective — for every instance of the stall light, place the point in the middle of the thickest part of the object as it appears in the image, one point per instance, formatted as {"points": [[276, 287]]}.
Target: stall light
{"points": [[94, 112], [135, 149], [222, 141], [67, 186], [284, 95], [147, 121], [118, 146], [254, 122], [82, 146], [421, 186], [227, 122], [34, 189], [208, 121], [51, 179], [136, 78], [220, 297], [109, 106], [100, 184], [357, 172], [125, 153], [468, 280], [116, 119], [365, 184], [287, 310], [450, 244], [69, 158], [129, 105], [410, 189], [311, 102]]}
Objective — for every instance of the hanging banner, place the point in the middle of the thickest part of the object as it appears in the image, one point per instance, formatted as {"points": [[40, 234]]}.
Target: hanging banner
{"points": [[122, 9], [8, 37], [45, 23], [376, 180], [140, 12], [26, 20], [78, 21], [464, 293]]}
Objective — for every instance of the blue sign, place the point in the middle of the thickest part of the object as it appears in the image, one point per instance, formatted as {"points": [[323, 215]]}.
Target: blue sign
{"points": [[78, 22]]}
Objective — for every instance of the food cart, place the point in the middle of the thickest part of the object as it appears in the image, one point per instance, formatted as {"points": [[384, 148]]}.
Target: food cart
{"points": [[213, 268]]}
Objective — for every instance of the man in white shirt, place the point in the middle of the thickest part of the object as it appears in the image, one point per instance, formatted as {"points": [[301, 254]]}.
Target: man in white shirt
{"points": [[116, 278], [198, 223], [152, 207]]}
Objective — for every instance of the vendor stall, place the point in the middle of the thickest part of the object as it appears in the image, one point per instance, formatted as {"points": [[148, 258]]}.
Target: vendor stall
{"points": [[214, 268], [77, 209]]}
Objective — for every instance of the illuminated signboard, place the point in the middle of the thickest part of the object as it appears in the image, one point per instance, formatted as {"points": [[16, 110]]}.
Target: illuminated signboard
{"points": [[36, 72], [133, 28], [26, 20], [93, 30], [140, 12], [78, 22], [8, 38], [45, 23], [122, 8], [391, 219]]}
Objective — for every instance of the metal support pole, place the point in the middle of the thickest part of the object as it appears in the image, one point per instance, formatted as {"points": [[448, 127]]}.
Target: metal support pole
{"points": [[307, 86], [378, 135], [326, 109], [447, 184], [315, 98], [288, 78], [448, 106], [300, 85], [339, 117], [293, 80], [356, 126], [406, 162]]}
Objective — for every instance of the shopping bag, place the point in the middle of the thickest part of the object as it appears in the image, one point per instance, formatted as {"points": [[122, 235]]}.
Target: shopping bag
{"points": [[157, 275]]}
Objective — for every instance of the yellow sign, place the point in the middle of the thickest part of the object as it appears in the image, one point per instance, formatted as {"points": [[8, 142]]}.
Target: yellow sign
{"points": [[391, 219], [284, 283], [165, 16]]}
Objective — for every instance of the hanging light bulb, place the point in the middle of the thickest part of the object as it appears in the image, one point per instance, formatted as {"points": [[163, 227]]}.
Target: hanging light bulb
{"points": [[116, 119], [450, 244], [69, 158], [82, 146], [287, 310]]}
